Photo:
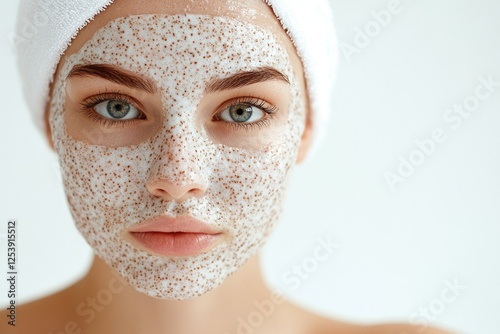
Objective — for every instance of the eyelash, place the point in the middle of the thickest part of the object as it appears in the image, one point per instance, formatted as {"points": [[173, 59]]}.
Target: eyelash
{"points": [[267, 108], [89, 104]]}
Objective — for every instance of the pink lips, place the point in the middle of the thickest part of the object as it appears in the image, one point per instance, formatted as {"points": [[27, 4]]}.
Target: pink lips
{"points": [[181, 236]]}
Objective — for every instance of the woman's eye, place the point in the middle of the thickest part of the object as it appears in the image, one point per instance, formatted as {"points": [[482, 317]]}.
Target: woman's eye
{"points": [[116, 109], [241, 113]]}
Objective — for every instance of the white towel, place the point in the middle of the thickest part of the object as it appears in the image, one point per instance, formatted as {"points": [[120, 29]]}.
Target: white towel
{"points": [[45, 28]]}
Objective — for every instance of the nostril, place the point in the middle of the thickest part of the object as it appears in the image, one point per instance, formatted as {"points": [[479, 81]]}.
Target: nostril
{"points": [[196, 192], [172, 191], [159, 192]]}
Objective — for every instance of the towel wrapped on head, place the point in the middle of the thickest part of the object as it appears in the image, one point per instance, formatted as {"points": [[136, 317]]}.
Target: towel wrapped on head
{"points": [[45, 28]]}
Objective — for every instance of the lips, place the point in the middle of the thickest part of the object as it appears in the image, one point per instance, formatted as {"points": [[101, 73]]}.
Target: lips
{"points": [[181, 236]]}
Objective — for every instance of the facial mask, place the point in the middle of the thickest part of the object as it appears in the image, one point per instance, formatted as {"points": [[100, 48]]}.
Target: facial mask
{"points": [[106, 186]]}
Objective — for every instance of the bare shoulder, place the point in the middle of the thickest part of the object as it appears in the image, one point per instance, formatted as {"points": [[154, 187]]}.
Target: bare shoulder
{"points": [[311, 323], [405, 329], [329, 326], [333, 326], [45, 315]]}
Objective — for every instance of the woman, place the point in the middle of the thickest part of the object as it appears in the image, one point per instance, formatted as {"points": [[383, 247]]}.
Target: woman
{"points": [[177, 125]]}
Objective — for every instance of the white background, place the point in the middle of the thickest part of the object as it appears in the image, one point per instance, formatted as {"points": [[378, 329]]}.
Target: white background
{"points": [[396, 248]]}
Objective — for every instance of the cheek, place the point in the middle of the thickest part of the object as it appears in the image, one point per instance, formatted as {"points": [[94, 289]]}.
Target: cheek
{"points": [[111, 182], [106, 187]]}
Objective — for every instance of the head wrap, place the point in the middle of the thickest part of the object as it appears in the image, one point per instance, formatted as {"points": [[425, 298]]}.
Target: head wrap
{"points": [[45, 28]]}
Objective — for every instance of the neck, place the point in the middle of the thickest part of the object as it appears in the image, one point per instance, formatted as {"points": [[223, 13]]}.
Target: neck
{"points": [[114, 305]]}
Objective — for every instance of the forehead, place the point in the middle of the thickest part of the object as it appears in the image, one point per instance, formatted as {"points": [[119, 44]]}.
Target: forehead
{"points": [[191, 45], [255, 12]]}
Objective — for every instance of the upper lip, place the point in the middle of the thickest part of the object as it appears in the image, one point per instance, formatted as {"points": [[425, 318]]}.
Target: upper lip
{"points": [[168, 224]]}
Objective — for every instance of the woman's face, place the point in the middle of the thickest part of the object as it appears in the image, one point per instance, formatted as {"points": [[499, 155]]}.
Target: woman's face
{"points": [[185, 118]]}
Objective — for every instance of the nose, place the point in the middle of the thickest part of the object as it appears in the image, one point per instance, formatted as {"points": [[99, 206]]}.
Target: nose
{"points": [[177, 177], [172, 191]]}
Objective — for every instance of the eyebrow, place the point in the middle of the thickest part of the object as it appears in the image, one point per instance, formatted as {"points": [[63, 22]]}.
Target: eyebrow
{"points": [[246, 78], [114, 74]]}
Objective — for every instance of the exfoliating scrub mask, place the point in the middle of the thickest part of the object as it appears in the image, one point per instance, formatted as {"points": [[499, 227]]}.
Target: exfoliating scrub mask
{"points": [[243, 185]]}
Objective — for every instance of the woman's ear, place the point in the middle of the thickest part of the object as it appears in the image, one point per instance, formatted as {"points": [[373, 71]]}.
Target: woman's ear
{"points": [[306, 140], [48, 132]]}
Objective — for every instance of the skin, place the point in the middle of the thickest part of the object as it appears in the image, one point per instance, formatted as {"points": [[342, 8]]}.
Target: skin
{"points": [[218, 310], [185, 156]]}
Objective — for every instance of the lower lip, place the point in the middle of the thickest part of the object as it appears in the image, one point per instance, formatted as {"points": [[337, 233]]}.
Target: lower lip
{"points": [[176, 244]]}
